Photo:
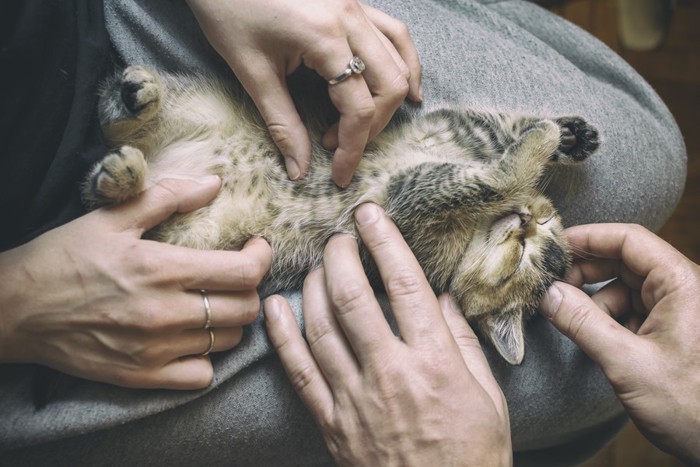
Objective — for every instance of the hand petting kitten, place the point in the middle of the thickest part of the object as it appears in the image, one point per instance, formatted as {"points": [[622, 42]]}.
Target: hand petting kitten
{"points": [[643, 328], [264, 42]]}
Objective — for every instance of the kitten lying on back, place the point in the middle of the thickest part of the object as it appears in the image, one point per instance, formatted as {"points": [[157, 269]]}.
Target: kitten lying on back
{"points": [[461, 185]]}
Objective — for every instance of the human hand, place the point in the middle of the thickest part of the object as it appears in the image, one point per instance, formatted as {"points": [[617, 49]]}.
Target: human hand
{"points": [[427, 397], [265, 41], [643, 328], [94, 300]]}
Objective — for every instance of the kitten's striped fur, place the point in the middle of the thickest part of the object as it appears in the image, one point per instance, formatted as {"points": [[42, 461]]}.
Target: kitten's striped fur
{"points": [[461, 184]]}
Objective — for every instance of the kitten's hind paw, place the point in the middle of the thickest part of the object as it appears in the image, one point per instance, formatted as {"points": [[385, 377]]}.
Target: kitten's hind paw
{"points": [[140, 92], [121, 175], [578, 140]]}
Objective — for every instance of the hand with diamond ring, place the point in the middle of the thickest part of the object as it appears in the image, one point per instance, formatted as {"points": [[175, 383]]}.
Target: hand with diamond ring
{"points": [[95, 300], [264, 42]]}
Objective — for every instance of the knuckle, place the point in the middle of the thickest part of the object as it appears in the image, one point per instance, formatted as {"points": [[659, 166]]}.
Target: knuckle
{"points": [[399, 87], [578, 321], [302, 377], [146, 319], [403, 282], [280, 133], [166, 192], [141, 263], [400, 31], [365, 110], [146, 356], [351, 295], [349, 8], [317, 331]]}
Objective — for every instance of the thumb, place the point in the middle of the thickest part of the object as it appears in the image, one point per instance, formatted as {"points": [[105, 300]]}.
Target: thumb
{"points": [[576, 316], [167, 197]]}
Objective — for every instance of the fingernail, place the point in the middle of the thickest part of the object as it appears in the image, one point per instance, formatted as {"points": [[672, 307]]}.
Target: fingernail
{"points": [[342, 183], [549, 305], [292, 168], [209, 179], [367, 213], [420, 93]]}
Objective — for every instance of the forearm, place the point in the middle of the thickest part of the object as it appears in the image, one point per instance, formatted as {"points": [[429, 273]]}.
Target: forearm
{"points": [[16, 288]]}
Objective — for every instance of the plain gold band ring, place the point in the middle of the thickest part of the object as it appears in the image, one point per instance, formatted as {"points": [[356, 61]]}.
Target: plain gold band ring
{"points": [[212, 340], [207, 308]]}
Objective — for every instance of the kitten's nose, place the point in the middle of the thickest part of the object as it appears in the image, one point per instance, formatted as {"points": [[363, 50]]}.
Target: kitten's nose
{"points": [[525, 218], [527, 227]]}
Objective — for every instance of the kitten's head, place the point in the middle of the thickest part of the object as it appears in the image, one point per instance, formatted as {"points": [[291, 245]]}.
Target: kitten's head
{"points": [[511, 260]]}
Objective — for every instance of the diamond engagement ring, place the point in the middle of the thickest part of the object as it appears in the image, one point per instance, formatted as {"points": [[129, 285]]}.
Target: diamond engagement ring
{"points": [[355, 67]]}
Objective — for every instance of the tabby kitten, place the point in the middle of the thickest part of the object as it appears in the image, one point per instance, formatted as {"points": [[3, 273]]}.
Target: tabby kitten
{"points": [[460, 184]]}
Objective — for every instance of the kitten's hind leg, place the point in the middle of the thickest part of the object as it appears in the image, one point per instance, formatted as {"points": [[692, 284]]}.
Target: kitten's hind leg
{"points": [[128, 101], [121, 175], [577, 142]]}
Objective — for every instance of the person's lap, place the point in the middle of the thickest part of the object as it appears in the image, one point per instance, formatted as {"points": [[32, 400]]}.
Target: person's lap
{"points": [[504, 55]]}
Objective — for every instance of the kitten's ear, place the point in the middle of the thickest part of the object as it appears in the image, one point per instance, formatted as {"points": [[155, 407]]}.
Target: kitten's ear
{"points": [[505, 331]]}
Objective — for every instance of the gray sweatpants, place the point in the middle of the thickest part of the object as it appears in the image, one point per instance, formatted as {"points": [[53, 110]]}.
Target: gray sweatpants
{"points": [[505, 55]]}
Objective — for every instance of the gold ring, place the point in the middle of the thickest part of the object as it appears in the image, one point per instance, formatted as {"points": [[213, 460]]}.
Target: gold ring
{"points": [[207, 308], [212, 339]]}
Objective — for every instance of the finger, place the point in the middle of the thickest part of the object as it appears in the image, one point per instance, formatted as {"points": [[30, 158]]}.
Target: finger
{"points": [[575, 315], [469, 347], [353, 100], [622, 303], [352, 300], [397, 33], [472, 353], [326, 339], [640, 249], [162, 200], [412, 299], [385, 79], [370, 110], [593, 271], [356, 107], [296, 358], [219, 310], [182, 373], [215, 270], [267, 86], [198, 342]]}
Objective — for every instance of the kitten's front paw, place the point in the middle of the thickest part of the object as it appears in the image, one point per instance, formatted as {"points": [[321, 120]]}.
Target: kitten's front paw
{"points": [[140, 92], [578, 140], [121, 175]]}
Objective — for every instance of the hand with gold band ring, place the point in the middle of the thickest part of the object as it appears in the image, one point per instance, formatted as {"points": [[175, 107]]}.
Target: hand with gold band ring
{"points": [[207, 322]]}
